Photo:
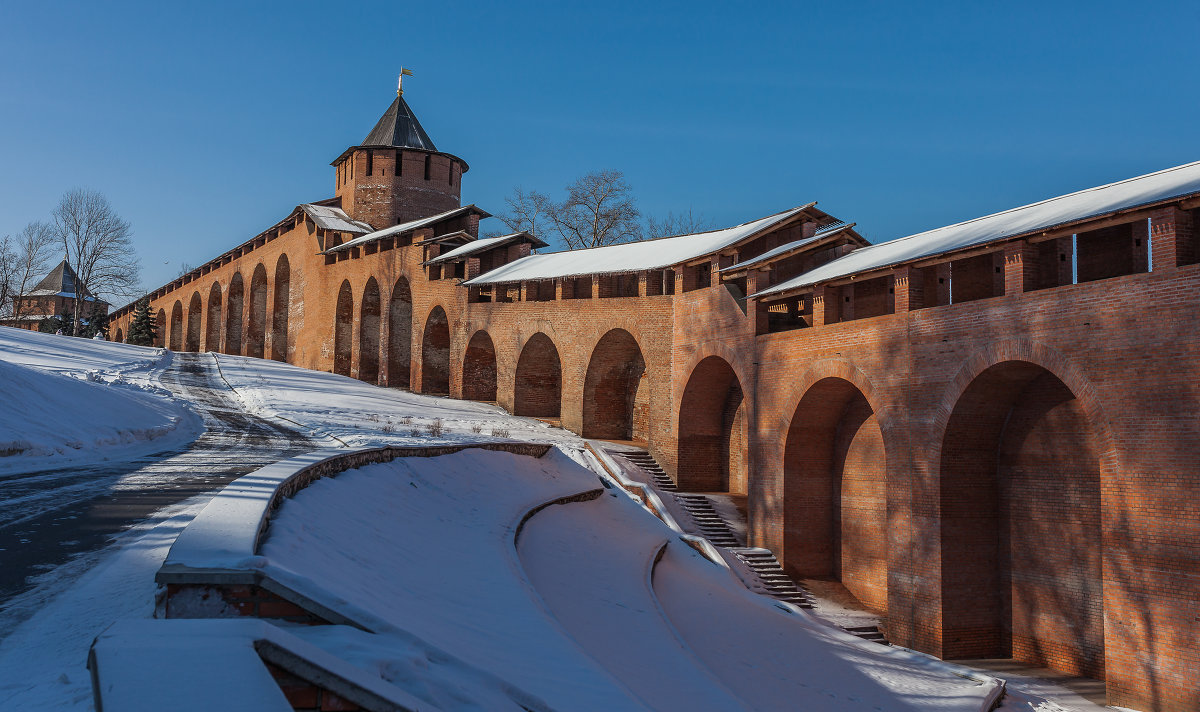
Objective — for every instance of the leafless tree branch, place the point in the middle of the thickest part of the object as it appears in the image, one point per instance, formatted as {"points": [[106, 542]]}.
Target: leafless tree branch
{"points": [[99, 247]]}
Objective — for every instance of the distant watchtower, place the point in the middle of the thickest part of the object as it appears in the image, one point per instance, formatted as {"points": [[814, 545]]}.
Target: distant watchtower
{"points": [[396, 174]]}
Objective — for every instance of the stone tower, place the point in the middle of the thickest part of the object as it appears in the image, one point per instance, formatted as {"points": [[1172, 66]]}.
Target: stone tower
{"points": [[396, 174]]}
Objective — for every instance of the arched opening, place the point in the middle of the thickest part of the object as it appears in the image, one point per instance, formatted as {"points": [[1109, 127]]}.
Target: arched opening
{"points": [[400, 335], [279, 315], [256, 328], [177, 326], [835, 492], [538, 388], [120, 336], [194, 327], [713, 430], [160, 331], [343, 329], [233, 318], [1020, 524], [368, 334], [212, 340], [615, 405], [479, 369], [435, 354]]}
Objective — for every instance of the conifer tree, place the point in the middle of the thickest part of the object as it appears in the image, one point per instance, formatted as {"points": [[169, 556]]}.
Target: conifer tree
{"points": [[142, 329]]}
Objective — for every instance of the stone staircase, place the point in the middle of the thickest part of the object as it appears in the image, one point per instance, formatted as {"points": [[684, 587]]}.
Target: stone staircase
{"points": [[709, 524]]}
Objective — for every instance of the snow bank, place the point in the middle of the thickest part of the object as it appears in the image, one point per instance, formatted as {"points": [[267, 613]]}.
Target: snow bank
{"points": [[348, 412], [70, 399]]}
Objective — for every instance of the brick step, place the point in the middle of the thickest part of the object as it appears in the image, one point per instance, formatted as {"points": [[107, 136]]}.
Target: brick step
{"points": [[645, 462], [772, 576], [868, 632]]}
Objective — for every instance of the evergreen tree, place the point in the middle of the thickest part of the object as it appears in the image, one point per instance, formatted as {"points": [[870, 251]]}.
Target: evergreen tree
{"points": [[142, 329]]}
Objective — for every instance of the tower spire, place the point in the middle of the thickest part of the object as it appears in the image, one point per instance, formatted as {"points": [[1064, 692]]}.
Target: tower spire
{"points": [[400, 84]]}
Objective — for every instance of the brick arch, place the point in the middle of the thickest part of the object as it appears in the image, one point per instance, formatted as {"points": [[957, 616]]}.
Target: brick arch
{"points": [[281, 305], [400, 335], [160, 333], [194, 312], [614, 397], [713, 435], [835, 485], [212, 338], [368, 333], [1019, 484], [120, 336], [435, 353], [343, 329], [233, 314], [479, 368], [176, 342], [256, 324], [537, 390]]}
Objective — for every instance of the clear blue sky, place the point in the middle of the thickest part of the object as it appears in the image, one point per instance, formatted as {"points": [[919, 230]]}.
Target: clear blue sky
{"points": [[205, 123]]}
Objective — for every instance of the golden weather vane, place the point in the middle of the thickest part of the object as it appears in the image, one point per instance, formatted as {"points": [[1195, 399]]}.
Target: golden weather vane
{"points": [[400, 84]]}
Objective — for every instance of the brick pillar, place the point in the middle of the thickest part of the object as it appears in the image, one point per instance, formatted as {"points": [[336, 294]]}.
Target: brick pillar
{"points": [[756, 309], [845, 303], [558, 289], [524, 291], [595, 286], [472, 222], [909, 285], [998, 274], [825, 305], [680, 280], [943, 283], [472, 270], [1139, 243], [1173, 238], [1020, 267], [643, 279]]}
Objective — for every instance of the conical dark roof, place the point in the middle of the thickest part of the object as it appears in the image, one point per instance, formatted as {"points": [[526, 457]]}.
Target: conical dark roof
{"points": [[61, 280], [399, 128]]}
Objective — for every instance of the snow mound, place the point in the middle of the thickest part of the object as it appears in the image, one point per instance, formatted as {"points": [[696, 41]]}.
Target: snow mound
{"points": [[48, 414]]}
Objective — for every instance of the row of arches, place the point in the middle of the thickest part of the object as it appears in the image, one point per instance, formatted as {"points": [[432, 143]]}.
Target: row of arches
{"points": [[219, 321], [376, 346]]}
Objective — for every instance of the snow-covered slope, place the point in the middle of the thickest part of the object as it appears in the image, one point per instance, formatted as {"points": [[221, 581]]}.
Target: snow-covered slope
{"points": [[66, 400]]}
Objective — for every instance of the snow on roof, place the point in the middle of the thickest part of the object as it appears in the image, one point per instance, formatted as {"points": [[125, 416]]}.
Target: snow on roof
{"points": [[328, 217], [632, 256], [1083, 205], [406, 227], [788, 247], [486, 243]]}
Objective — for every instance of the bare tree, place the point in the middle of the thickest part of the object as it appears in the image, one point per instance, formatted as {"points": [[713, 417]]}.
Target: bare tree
{"points": [[598, 211], [184, 268], [22, 261], [681, 224], [99, 247], [527, 211]]}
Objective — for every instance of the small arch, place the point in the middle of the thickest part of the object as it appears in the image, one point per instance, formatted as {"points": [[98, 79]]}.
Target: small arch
{"points": [[279, 315], [212, 339], [435, 353], [368, 333], [835, 491], [614, 401], [176, 342], [538, 388], [1019, 579], [195, 310], [256, 326], [120, 336], [713, 430], [233, 317], [343, 329], [400, 334], [479, 369], [160, 331]]}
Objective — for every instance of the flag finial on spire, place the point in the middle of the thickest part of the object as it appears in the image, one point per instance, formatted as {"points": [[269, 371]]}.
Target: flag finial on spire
{"points": [[400, 84]]}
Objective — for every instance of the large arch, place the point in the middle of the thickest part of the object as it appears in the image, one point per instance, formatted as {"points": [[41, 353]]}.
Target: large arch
{"points": [[479, 368], [160, 331], [368, 333], [435, 353], [614, 401], [176, 343], [233, 318], [194, 327], [1021, 555], [537, 391], [120, 336], [279, 313], [713, 430], [343, 329], [400, 335], [835, 491], [256, 326], [212, 339]]}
